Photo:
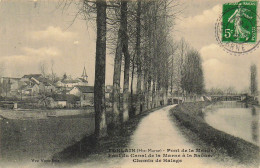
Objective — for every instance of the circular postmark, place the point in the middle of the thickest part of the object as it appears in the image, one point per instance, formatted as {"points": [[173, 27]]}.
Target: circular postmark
{"points": [[236, 30]]}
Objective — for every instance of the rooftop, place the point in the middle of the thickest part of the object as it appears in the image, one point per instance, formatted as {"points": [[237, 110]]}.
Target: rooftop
{"points": [[32, 75], [86, 89]]}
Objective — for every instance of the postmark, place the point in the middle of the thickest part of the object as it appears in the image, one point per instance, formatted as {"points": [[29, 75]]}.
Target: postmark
{"points": [[236, 29]]}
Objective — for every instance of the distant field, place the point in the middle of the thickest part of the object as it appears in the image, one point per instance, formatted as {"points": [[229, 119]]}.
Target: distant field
{"points": [[42, 114]]}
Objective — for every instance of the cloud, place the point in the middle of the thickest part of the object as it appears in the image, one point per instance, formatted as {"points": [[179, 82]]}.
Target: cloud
{"points": [[54, 33], [199, 30], [223, 70], [28, 60], [32, 55], [207, 18], [46, 52]]}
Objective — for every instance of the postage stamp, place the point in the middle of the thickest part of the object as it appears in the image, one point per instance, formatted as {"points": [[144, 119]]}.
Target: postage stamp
{"points": [[236, 30], [239, 22]]}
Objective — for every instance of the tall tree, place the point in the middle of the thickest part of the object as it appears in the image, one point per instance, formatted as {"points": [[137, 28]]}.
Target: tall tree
{"points": [[122, 48], [116, 78], [253, 83], [192, 80], [126, 60], [100, 71], [139, 59]]}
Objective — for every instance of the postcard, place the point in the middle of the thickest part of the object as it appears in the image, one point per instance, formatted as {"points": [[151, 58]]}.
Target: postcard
{"points": [[129, 83]]}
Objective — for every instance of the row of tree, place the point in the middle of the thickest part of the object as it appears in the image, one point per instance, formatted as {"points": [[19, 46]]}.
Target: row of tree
{"points": [[138, 35]]}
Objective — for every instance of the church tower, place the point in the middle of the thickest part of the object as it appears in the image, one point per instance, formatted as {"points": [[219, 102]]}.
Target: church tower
{"points": [[84, 75]]}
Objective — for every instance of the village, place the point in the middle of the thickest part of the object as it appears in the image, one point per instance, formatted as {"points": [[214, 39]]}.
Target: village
{"points": [[42, 91]]}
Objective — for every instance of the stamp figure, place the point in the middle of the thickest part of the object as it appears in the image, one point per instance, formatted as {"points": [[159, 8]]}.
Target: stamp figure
{"points": [[239, 22], [236, 18]]}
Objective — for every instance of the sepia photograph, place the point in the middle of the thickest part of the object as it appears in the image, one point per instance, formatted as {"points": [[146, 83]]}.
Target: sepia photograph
{"points": [[129, 83]]}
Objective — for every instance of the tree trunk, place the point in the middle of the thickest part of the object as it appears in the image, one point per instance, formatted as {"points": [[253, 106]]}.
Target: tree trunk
{"points": [[158, 94], [116, 80], [132, 110], [144, 107], [127, 61], [153, 93], [100, 69], [149, 93], [138, 55]]}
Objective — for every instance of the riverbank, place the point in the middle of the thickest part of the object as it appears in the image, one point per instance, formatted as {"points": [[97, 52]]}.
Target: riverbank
{"points": [[190, 119]]}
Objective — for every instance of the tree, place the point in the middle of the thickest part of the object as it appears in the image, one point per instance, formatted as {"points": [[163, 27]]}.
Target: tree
{"points": [[117, 113], [230, 90], [138, 34], [139, 58], [100, 68], [126, 60], [43, 68], [180, 56], [253, 83], [53, 76], [192, 79]]}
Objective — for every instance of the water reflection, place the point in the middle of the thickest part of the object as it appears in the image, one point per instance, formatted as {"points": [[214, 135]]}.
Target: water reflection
{"points": [[255, 125], [235, 118]]}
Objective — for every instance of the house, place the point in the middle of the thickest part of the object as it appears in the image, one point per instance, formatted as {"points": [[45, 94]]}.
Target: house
{"points": [[45, 85], [70, 101], [79, 90], [61, 101], [28, 77], [86, 94], [30, 90], [68, 84]]}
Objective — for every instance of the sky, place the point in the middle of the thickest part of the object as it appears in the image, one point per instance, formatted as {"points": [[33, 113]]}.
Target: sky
{"points": [[221, 69], [34, 32]]}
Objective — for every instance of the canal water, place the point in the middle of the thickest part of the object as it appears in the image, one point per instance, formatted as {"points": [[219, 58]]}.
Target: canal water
{"points": [[235, 118]]}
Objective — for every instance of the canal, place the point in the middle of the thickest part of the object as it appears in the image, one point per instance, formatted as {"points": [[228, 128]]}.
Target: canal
{"points": [[235, 118]]}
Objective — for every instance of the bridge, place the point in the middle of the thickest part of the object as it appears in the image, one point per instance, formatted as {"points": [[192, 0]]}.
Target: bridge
{"points": [[237, 97], [227, 97]]}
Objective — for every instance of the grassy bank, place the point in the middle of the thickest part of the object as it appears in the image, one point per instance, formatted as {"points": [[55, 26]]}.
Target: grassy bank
{"points": [[190, 117], [26, 135], [23, 140]]}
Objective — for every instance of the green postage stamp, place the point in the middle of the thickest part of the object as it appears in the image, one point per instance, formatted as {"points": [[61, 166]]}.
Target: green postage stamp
{"points": [[239, 22]]}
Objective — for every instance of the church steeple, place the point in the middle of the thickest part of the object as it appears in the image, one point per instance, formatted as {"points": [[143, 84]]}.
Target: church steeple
{"points": [[84, 74]]}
